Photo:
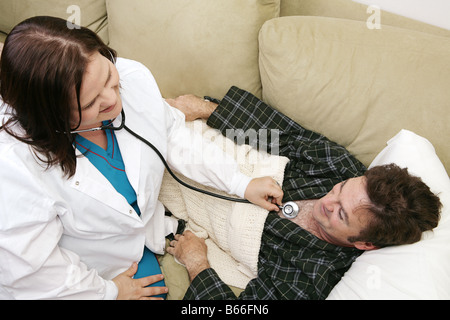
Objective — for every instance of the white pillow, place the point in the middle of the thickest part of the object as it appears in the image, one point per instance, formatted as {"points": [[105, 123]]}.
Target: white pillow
{"points": [[416, 271]]}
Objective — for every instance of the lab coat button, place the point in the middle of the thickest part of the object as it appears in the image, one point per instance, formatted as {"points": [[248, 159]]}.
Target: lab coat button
{"points": [[131, 211], [77, 183]]}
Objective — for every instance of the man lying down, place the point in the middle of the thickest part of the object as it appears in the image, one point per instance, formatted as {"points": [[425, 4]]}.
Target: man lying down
{"points": [[344, 208]]}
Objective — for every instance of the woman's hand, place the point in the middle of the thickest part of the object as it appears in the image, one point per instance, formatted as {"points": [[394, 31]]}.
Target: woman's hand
{"points": [[193, 107], [137, 289], [264, 192]]}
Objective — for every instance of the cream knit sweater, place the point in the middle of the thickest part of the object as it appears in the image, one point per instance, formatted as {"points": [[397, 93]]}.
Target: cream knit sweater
{"points": [[232, 231]]}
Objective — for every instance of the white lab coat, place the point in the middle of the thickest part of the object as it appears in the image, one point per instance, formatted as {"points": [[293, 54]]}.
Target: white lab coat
{"points": [[67, 238]]}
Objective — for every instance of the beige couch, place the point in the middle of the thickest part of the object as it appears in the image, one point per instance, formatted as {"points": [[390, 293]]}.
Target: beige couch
{"points": [[318, 61]]}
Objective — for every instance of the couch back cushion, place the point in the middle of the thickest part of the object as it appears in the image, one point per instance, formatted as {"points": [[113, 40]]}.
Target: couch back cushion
{"points": [[348, 9], [92, 13], [197, 46], [359, 87]]}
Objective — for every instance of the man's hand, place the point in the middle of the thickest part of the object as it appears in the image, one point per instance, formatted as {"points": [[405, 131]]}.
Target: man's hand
{"points": [[190, 250], [137, 289], [264, 192], [193, 107]]}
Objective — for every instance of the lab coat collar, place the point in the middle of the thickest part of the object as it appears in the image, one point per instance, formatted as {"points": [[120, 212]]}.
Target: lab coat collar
{"points": [[89, 180]]}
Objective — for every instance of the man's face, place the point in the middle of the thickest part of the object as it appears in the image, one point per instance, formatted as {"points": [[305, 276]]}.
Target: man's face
{"points": [[337, 216]]}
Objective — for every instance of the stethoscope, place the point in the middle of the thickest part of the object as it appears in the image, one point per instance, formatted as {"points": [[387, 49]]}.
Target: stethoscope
{"points": [[289, 209]]}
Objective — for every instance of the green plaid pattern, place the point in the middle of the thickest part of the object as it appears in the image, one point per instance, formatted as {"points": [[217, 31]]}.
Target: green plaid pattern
{"points": [[316, 163], [293, 264]]}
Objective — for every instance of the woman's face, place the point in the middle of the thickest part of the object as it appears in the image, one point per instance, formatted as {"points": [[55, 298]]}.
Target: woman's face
{"points": [[99, 94]]}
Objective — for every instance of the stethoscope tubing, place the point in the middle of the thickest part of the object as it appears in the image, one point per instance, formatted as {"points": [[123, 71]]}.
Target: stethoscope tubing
{"points": [[290, 209], [148, 143]]}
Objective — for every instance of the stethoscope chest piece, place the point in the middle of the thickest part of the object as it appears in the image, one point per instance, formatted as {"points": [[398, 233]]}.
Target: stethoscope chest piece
{"points": [[290, 210]]}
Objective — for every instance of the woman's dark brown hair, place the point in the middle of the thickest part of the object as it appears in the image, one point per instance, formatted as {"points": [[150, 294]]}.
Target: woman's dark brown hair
{"points": [[402, 207], [41, 71]]}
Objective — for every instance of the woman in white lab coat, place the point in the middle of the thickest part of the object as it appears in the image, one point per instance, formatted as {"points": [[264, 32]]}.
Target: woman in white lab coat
{"points": [[79, 209]]}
